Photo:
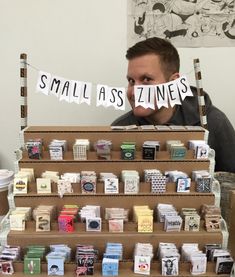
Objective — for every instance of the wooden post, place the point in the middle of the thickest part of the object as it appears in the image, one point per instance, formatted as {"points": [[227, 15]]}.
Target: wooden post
{"points": [[200, 94], [23, 91]]}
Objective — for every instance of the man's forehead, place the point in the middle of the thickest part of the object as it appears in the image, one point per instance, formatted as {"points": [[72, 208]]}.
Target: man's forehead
{"points": [[144, 64]]}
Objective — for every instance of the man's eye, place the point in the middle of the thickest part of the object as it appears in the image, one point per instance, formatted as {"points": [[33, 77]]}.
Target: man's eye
{"points": [[147, 80], [131, 82]]}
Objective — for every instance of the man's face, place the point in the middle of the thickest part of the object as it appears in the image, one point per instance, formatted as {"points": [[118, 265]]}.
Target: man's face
{"points": [[143, 70]]}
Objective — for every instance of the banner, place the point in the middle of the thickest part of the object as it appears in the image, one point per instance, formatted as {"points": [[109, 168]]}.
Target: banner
{"points": [[147, 96]]}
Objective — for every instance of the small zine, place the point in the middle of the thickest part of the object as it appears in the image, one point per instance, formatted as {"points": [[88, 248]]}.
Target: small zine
{"points": [[43, 185]]}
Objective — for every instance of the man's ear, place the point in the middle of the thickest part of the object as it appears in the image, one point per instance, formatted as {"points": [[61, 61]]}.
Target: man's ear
{"points": [[174, 76]]}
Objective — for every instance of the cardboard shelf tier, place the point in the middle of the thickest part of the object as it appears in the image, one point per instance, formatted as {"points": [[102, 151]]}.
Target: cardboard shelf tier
{"points": [[144, 188], [115, 156], [232, 222], [99, 239], [114, 166], [70, 133], [119, 201], [125, 269]]}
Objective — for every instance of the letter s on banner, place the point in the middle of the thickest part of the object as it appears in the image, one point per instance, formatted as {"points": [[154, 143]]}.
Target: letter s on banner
{"points": [[43, 83], [184, 87], [116, 98]]}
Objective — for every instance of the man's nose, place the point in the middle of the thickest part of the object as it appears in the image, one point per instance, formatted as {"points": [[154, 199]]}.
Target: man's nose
{"points": [[138, 83], [130, 92]]}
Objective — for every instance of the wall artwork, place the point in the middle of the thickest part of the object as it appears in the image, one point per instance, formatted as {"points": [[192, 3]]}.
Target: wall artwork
{"points": [[187, 23]]}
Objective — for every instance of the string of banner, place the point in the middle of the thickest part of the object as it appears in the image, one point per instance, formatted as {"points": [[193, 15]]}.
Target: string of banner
{"points": [[73, 91]]}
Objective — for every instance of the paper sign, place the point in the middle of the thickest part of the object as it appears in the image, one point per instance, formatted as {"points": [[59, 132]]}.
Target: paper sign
{"points": [[56, 85], [139, 96], [147, 96], [184, 87], [102, 95], [86, 93], [116, 98], [43, 83], [65, 91], [75, 92], [161, 96], [149, 92], [173, 94]]}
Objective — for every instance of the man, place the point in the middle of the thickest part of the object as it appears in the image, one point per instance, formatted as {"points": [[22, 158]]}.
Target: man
{"points": [[156, 61]]}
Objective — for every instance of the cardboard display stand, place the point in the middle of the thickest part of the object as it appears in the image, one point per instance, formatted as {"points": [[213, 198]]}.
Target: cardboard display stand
{"points": [[231, 243], [4, 207], [6, 177], [130, 236]]}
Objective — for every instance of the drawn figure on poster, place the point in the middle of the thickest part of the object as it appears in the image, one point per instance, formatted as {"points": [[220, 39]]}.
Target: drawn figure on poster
{"points": [[184, 8], [140, 10], [184, 21], [168, 24]]}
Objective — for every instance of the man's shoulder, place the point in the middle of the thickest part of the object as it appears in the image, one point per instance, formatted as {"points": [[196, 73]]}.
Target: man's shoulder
{"points": [[216, 117]]}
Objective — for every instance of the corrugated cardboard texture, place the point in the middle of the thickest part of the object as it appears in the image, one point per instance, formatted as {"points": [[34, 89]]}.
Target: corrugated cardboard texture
{"points": [[232, 223], [192, 200], [4, 207]]}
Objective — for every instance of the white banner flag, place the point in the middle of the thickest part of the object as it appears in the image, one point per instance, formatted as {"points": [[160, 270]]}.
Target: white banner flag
{"points": [[43, 83], [117, 98], [173, 94], [102, 95], [75, 92], [149, 92], [139, 96], [86, 93], [184, 87], [65, 91], [56, 85], [161, 96]]}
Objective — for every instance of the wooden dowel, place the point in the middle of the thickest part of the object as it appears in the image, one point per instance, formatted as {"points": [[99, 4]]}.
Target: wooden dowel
{"points": [[200, 94], [23, 91]]}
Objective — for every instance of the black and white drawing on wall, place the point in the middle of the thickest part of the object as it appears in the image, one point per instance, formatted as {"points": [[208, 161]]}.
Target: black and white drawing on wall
{"points": [[187, 23]]}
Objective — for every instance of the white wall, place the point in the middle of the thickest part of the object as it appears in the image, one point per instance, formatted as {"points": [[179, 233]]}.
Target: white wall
{"points": [[81, 40]]}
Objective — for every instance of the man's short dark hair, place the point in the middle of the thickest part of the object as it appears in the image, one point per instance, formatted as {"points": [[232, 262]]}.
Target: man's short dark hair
{"points": [[169, 56]]}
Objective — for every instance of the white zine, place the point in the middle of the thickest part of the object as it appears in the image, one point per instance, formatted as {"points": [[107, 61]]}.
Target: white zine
{"points": [[111, 185]]}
